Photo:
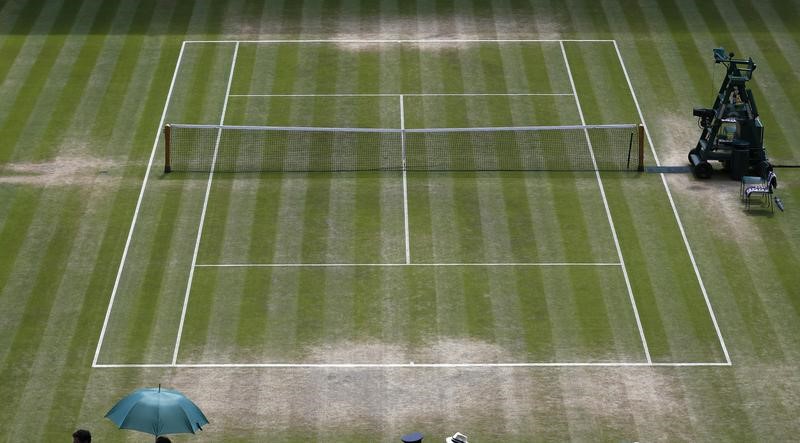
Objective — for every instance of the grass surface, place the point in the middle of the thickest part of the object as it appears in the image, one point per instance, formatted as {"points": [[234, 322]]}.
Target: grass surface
{"points": [[83, 86]]}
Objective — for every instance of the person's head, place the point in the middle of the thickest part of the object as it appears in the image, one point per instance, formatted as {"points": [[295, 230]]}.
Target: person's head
{"points": [[81, 436], [163, 439]]}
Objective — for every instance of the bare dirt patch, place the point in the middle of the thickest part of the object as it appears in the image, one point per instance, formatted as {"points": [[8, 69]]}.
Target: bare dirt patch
{"points": [[441, 351], [491, 401], [356, 352], [63, 170], [676, 135], [718, 200], [359, 43]]}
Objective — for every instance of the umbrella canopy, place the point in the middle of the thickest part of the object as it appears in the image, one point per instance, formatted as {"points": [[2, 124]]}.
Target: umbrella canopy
{"points": [[157, 411]]}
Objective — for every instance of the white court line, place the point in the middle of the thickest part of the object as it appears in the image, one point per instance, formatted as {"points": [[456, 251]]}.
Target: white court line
{"points": [[135, 217], [417, 365], [674, 209], [203, 213], [423, 40], [405, 181], [426, 94], [608, 210], [353, 265]]}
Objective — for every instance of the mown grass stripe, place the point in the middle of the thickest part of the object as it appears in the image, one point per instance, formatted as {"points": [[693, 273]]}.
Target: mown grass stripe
{"points": [[80, 348], [120, 79], [28, 334], [729, 403], [16, 38], [22, 206], [387, 297], [138, 327], [421, 308], [466, 237], [376, 205], [23, 239], [692, 70], [205, 302], [532, 315], [86, 108], [471, 238], [53, 357], [214, 18], [71, 382], [312, 289], [26, 100], [588, 20], [77, 80], [757, 325], [432, 197], [312, 303], [254, 316], [652, 63], [789, 47], [317, 208], [7, 197], [249, 207], [782, 263], [129, 130], [789, 14]]}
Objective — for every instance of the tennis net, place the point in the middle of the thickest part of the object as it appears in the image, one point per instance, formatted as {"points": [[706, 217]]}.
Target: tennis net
{"points": [[221, 148]]}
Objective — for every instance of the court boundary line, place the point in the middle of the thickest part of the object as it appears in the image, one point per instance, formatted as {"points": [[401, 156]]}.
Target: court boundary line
{"points": [[607, 209], [418, 365], [419, 40], [417, 94], [201, 224], [674, 208], [352, 265]]}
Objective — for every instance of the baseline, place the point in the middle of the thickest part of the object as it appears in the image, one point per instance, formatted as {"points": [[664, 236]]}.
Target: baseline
{"points": [[423, 40], [419, 94], [354, 265], [417, 365]]}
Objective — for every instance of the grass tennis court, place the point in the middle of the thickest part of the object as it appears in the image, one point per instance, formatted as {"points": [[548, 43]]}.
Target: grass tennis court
{"points": [[357, 306], [388, 267]]}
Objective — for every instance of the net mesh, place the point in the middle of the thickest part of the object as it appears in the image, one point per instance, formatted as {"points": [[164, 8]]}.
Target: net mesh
{"points": [[298, 149]]}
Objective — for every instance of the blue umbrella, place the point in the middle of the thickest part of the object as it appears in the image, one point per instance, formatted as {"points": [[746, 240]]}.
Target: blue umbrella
{"points": [[157, 411]]}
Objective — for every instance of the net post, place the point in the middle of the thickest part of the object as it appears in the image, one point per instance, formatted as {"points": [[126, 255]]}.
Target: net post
{"points": [[640, 128], [167, 139]]}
